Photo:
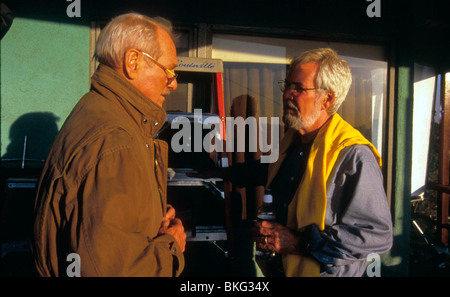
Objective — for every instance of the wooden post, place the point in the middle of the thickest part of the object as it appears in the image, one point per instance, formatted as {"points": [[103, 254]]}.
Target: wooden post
{"points": [[396, 261]]}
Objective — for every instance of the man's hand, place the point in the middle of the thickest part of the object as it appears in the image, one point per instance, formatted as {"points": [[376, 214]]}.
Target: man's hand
{"points": [[173, 226], [277, 238]]}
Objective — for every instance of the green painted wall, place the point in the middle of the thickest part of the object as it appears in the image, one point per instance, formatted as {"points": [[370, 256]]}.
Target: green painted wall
{"points": [[44, 72]]}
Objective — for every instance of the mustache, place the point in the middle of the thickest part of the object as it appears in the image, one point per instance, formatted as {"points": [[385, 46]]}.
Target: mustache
{"points": [[289, 104]]}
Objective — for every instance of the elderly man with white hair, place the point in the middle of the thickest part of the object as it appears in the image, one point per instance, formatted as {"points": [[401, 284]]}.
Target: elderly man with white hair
{"points": [[327, 185], [102, 193]]}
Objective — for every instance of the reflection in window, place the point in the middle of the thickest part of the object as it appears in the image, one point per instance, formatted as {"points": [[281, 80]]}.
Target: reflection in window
{"points": [[181, 99]]}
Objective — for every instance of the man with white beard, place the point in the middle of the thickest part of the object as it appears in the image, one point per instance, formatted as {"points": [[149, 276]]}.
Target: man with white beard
{"points": [[327, 185]]}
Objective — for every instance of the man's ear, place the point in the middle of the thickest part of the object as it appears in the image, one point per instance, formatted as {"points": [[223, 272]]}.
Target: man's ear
{"points": [[328, 101], [130, 63]]}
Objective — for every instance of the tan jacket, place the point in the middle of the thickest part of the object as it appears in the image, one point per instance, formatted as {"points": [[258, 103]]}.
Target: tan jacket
{"points": [[102, 193]]}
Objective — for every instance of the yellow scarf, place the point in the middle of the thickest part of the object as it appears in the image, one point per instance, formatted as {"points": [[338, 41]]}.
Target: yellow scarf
{"points": [[310, 200]]}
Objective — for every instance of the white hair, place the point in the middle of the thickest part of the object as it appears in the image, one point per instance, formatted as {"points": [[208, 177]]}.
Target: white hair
{"points": [[131, 30], [333, 75]]}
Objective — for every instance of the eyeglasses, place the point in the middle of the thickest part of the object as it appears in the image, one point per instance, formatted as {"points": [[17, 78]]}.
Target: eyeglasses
{"points": [[171, 72], [293, 86]]}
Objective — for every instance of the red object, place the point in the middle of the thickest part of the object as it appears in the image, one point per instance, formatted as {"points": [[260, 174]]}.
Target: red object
{"points": [[221, 105]]}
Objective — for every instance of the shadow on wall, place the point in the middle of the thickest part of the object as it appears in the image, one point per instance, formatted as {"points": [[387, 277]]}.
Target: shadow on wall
{"points": [[31, 137], [6, 20]]}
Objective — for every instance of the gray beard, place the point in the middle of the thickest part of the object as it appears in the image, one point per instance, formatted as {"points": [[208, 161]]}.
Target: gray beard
{"points": [[298, 122]]}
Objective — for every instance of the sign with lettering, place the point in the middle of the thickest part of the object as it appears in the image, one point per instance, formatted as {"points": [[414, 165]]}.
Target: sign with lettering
{"points": [[199, 65]]}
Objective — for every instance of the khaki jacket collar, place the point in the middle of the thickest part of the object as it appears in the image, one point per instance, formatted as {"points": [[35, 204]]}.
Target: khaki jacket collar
{"points": [[149, 116]]}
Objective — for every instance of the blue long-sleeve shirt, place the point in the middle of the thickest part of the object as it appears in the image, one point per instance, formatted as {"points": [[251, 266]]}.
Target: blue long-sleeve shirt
{"points": [[358, 220]]}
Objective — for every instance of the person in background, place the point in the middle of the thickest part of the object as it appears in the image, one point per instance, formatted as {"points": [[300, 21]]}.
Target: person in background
{"points": [[102, 192]]}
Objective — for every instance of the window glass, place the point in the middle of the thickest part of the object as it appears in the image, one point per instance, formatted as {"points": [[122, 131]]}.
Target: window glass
{"points": [[181, 98], [426, 93], [183, 42], [253, 66]]}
